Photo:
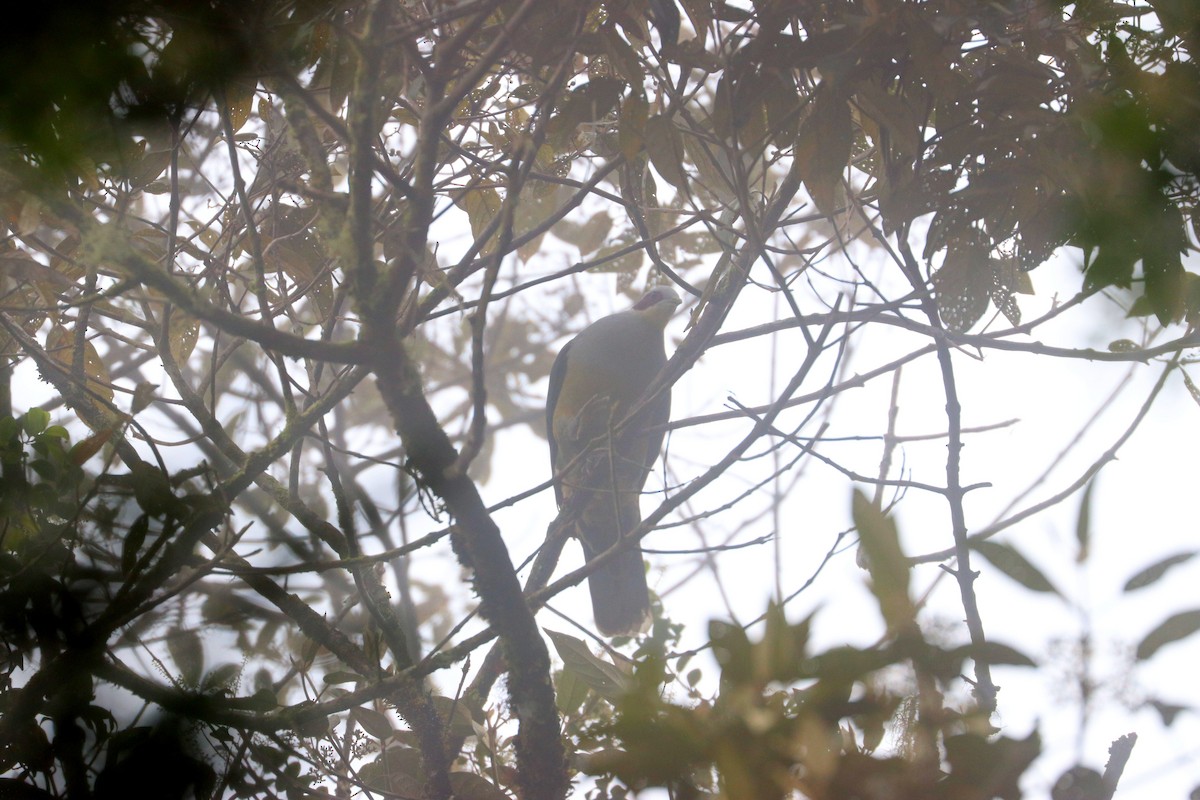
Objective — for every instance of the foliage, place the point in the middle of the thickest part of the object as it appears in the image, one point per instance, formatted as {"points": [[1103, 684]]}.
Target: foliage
{"points": [[291, 274]]}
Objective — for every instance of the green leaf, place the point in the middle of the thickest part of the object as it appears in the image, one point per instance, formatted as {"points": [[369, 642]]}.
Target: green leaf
{"points": [[1152, 573], [608, 680], [188, 653], [373, 722], [880, 542], [664, 144], [569, 691], [995, 653], [1083, 524], [134, 540], [823, 148], [469, 786], [1006, 559], [1176, 627], [35, 421]]}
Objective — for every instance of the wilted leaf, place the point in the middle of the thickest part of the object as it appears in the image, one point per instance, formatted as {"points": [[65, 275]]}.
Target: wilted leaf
{"points": [[1152, 573], [183, 332], [482, 204], [962, 286], [60, 346], [1176, 627], [240, 101], [1006, 559]]}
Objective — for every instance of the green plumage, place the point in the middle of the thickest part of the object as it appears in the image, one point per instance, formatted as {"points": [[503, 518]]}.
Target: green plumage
{"points": [[596, 381]]}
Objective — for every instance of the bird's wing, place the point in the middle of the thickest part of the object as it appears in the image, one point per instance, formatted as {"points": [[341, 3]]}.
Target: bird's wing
{"points": [[557, 373]]}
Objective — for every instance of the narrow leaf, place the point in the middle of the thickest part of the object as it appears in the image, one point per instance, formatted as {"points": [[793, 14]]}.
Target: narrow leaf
{"points": [[885, 561], [1152, 573], [665, 147], [1083, 524], [1006, 559], [1176, 627]]}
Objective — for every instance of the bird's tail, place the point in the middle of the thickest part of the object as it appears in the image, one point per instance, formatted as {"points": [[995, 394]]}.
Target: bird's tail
{"points": [[620, 597]]}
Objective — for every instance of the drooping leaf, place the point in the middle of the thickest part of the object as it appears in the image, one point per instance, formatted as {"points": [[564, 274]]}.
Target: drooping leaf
{"points": [[134, 539], [1005, 558], [631, 125], [1083, 524], [962, 286], [823, 148], [885, 561], [60, 345], [608, 680], [664, 144], [469, 786], [1151, 574], [188, 653], [1172, 629], [373, 722]]}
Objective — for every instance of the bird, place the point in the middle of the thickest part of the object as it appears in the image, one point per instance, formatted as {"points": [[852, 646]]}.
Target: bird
{"points": [[595, 383]]}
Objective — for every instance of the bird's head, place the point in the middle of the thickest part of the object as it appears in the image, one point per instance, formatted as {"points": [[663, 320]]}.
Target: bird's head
{"points": [[657, 305]]}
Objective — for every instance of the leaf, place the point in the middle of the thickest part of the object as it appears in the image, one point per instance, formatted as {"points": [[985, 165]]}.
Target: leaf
{"points": [[60, 345], [223, 678], [1155, 571], [482, 205], [880, 542], [182, 333], [608, 680], [996, 653], [590, 102], [631, 125], [134, 539], [1083, 524], [153, 163], [962, 286], [1006, 559], [1167, 711], [240, 102], [373, 722], [664, 145], [188, 653], [823, 148], [569, 691], [1176, 627], [469, 786], [35, 421]]}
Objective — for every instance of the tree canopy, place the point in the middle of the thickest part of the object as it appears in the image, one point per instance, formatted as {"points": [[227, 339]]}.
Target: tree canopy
{"points": [[291, 276]]}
